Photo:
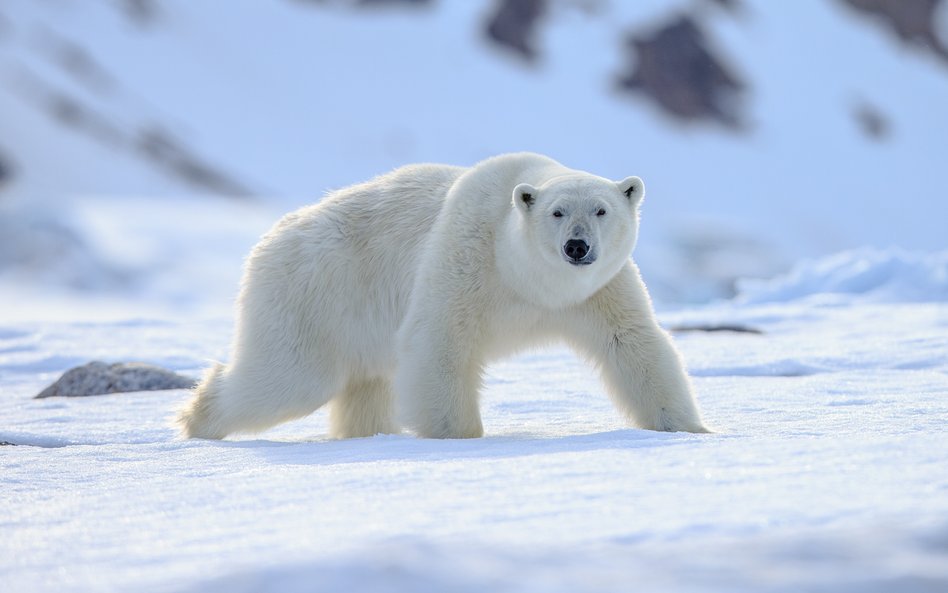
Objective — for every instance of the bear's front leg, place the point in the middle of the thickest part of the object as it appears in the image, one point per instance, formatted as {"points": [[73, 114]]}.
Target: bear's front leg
{"points": [[648, 382], [640, 366], [438, 377]]}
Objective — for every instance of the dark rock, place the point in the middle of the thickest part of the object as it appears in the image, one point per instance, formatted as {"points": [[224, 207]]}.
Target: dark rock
{"points": [[912, 20], [513, 25], [675, 67], [5, 170], [75, 61], [164, 150], [375, 3], [732, 5], [732, 328], [872, 122], [99, 378], [70, 111], [380, 3], [141, 12]]}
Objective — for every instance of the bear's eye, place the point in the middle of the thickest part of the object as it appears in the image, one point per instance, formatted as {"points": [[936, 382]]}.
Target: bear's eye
{"points": [[601, 212], [557, 214]]}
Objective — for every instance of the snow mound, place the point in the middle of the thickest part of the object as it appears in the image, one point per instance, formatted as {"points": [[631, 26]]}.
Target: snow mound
{"points": [[869, 275]]}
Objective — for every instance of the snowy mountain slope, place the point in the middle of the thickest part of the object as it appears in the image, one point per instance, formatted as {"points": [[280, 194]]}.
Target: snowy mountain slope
{"points": [[99, 257], [288, 99]]}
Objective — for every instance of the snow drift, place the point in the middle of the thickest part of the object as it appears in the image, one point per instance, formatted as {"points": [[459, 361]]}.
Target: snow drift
{"points": [[865, 275]]}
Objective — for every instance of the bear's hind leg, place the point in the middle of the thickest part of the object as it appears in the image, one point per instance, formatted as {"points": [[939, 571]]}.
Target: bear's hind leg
{"points": [[232, 399], [437, 392], [363, 409], [198, 419]]}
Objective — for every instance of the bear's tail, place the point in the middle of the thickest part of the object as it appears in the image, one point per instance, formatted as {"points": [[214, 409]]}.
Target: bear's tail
{"points": [[200, 418]]}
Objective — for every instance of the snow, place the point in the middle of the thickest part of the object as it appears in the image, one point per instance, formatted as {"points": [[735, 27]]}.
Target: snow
{"points": [[828, 470], [871, 274]]}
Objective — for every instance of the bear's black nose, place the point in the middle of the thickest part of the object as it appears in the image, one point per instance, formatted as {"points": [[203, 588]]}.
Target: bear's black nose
{"points": [[576, 249]]}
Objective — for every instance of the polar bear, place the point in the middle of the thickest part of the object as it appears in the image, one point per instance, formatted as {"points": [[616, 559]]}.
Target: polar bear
{"points": [[397, 292]]}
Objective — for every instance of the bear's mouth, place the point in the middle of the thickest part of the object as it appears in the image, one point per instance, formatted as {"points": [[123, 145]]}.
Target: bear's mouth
{"points": [[585, 260]]}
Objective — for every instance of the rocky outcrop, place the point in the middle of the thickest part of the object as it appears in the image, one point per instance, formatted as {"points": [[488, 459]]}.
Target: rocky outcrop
{"points": [[142, 13], [5, 171], [513, 26], [164, 150], [871, 121], [99, 378], [674, 66], [913, 21], [373, 3]]}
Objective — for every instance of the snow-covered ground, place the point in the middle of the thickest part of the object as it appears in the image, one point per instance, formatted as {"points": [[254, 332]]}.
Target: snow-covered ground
{"points": [[828, 470]]}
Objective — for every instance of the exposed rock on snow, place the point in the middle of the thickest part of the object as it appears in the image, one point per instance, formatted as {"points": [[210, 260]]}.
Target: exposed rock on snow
{"points": [[141, 12], [513, 25], [4, 171], [873, 123], [720, 327], [373, 3], [68, 110], [675, 67], [913, 21], [76, 62], [163, 149], [99, 378], [732, 5]]}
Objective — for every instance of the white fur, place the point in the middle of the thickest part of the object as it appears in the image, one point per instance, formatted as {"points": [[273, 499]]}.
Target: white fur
{"points": [[411, 283]]}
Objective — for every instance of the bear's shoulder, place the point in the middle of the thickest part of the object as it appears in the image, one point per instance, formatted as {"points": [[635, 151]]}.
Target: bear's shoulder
{"points": [[518, 163], [493, 179]]}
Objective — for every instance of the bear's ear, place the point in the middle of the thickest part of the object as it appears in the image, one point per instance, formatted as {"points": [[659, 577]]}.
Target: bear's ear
{"points": [[524, 196], [633, 188]]}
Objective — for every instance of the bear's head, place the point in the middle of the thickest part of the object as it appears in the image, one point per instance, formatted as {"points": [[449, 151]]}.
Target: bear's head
{"points": [[581, 226]]}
